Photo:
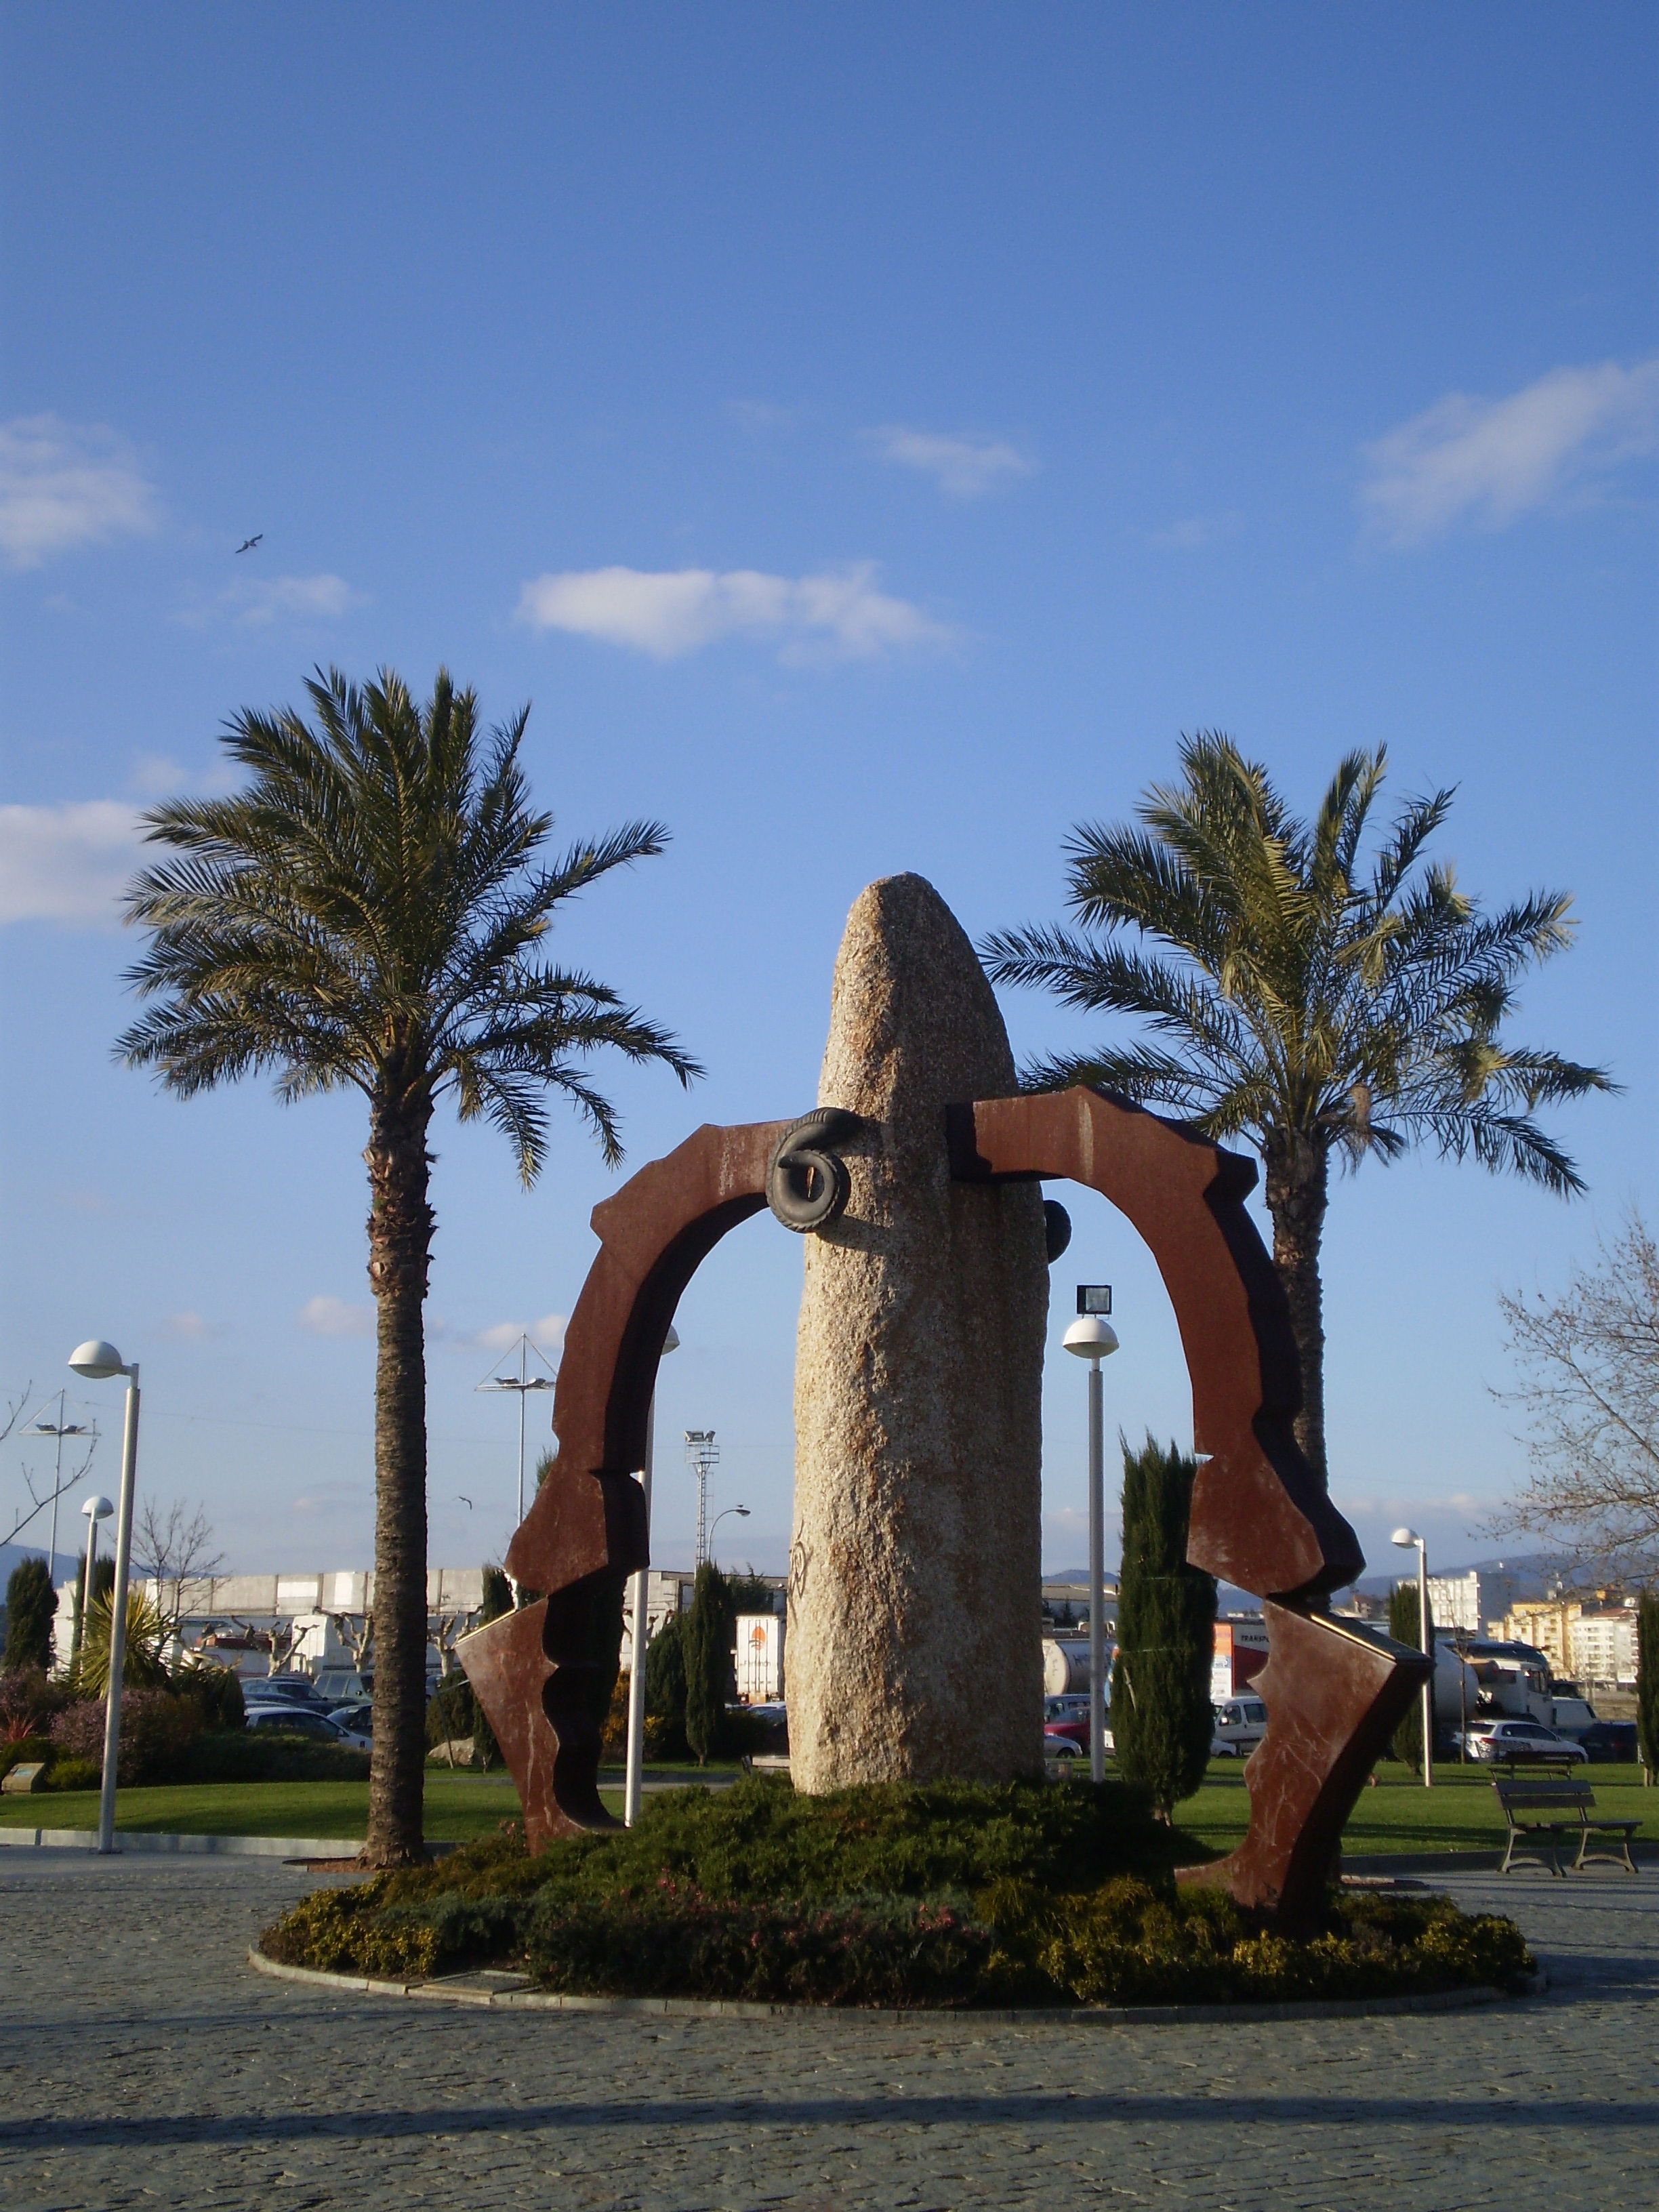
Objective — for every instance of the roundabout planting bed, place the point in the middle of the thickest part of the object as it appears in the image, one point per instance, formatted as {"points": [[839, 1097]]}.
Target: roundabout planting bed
{"points": [[897, 1895]]}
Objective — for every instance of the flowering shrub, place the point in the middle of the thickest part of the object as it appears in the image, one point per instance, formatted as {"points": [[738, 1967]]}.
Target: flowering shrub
{"points": [[157, 1730]]}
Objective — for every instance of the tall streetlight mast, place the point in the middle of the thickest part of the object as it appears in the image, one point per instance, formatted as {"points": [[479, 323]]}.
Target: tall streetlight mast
{"points": [[701, 1455], [60, 1429], [523, 1382]]}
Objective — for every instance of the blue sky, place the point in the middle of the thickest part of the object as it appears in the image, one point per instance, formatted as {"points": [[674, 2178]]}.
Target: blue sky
{"points": [[870, 437]]}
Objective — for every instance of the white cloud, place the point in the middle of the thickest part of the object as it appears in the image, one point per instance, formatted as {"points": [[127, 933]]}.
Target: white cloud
{"points": [[67, 863], [1489, 460], [189, 1327], [254, 602], [326, 1316], [547, 1334], [1198, 530], [65, 484], [838, 613], [963, 467]]}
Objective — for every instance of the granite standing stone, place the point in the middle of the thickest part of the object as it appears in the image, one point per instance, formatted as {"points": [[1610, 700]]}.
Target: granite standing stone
{"points": [[914, 1642]]}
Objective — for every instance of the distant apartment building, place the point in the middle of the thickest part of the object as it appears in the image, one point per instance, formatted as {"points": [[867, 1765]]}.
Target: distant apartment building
{"points": [[1603, 1644], [1476, 1602]]}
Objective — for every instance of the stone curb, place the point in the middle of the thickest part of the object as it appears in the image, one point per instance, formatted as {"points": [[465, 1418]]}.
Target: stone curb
{"points": [[451, 1990], [141, 1841]]}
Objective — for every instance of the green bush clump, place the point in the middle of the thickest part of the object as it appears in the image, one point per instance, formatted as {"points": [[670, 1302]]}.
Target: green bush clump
{"points": [[673, 1941], [75, 1774], [232, 1755], [905, 1895], [18, 1751]]}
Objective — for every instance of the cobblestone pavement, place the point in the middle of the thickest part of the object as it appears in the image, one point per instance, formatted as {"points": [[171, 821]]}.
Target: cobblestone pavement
{"points": [[144, 2063]]}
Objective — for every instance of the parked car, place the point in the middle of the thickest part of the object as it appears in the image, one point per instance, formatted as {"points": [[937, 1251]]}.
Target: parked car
{"points": [[1240, 1725], [282, 1690], [296, 1720], [1511, 1742], [1055, 1746], [1606, 1741], [356, 1716], [1068, 1716]]}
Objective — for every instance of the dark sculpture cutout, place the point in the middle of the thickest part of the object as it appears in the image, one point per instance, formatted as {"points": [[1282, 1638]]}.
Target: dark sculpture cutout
{"points": [[1259, 1520]]}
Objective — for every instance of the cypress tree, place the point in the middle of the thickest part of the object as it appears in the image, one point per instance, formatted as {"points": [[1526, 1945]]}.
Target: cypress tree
{"points": [[1162, 1722], [709, 1676], [1406, 1626], [31, 1602], [1647, 1683], [664, 1684]]}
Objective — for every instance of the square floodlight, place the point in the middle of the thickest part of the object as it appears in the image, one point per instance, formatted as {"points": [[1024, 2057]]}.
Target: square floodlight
{"points": [[1094, 1298]]}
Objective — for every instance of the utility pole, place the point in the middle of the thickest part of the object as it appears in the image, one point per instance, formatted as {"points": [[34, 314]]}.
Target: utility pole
{"points": [[59, 1429], [523, 1382]]}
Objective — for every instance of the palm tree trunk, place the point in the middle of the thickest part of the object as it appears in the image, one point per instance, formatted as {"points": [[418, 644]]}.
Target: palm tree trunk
{"points": [[1298, 1174], [400, 1225]]}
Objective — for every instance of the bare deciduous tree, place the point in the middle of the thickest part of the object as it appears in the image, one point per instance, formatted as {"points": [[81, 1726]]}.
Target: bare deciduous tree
{"points": [[173, 1547], [1589, 1397]]}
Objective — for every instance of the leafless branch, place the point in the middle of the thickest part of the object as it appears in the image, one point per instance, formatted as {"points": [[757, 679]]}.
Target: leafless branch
{"points": [[173, 1547], [1588, 1400]]}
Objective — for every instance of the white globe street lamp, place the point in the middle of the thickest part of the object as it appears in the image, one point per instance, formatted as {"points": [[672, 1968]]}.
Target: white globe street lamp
{"points": [[96, 1508], [1092, 1337], [99, 1361], [1408, 1541], [640, 1589]]}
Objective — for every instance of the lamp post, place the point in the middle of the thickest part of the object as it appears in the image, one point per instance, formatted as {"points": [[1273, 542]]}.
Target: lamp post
{"points": [[96, 1508], [741, 1510], [1408, 1539], [523, 1382], [98, 1361], [640, 1589], [60, 1429], [1092, 1337]]}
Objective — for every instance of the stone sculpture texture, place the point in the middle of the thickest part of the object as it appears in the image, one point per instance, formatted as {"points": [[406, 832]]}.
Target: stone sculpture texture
{"points": [[912, 1639]]}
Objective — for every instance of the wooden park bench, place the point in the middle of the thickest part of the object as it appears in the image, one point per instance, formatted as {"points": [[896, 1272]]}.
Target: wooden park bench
{"points": [[1548, 1812]]}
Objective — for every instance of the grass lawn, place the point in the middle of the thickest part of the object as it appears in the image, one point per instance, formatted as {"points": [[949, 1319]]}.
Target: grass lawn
{"points": [[459, 1806], [1401, 1816], [1398, 1816]]}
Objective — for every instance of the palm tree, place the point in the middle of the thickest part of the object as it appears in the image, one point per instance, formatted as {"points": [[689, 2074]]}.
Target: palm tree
{"points": [[368, 909], [1295, 1003]]}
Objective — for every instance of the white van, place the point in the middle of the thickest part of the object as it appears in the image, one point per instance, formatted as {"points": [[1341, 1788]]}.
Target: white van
{"points": [[1240, 1725]]}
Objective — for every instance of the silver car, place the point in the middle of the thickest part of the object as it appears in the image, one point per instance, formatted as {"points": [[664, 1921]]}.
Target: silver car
{"points": [[1513, 1742]]}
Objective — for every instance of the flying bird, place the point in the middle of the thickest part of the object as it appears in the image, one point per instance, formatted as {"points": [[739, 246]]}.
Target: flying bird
{"points": [[467, 1502], [248, 544]]}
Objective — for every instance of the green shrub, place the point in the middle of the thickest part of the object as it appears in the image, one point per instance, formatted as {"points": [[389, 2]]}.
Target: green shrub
{"points": [[452, 1711], [216, 1692], [233, 1755], [1161, 1721], [949, 1893], [74, 1773], [710, 1679], [18, 1751], [31, 1602], [664, 1690], [672, 1941], [1406, 1626]]}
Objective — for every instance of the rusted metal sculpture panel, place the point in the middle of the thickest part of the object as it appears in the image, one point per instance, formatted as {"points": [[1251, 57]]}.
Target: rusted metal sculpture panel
{"points": [[1260, 1518], [585, 1532]]}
